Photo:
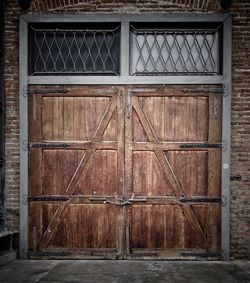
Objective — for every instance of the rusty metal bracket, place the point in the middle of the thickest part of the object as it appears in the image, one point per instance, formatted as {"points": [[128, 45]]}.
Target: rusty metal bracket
{"points": [[47, 91], [47, 198], [204, 89], [25, 199], [47, 145], [24, 91], [201, 199], [224, 201], [201, 145]]}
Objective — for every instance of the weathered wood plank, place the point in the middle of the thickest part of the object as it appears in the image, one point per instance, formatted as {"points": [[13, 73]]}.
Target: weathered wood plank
{"points": [[79, 173], [68, 111], [214, 129], [35, 117], [47, 117], [178, 190], [35, 172], [58, 118]]}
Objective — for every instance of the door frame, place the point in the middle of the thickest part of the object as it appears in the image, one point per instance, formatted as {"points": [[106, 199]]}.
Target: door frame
{"points": [[123, 79]]}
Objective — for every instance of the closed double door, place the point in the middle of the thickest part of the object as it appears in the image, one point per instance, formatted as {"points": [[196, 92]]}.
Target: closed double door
{"points": [[124, 171]]}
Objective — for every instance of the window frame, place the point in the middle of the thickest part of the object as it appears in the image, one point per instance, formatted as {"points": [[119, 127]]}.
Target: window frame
{"points": [[125, 20], [57, 35], [124, 78]]}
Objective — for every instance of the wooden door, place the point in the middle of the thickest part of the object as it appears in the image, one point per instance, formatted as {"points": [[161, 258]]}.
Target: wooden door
{"points": [[76, 152], [172, 172], [124, 172]]}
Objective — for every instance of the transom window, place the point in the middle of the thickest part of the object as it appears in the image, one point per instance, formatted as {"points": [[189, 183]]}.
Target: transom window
{"points": [[167, 51], [95, 49], [91, 49]]}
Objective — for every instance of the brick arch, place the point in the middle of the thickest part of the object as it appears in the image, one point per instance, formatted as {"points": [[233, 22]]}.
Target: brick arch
{"points": [[124, 6]]}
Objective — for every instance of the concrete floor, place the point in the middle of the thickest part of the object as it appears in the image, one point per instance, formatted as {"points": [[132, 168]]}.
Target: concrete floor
{"points": [[56, 271]]}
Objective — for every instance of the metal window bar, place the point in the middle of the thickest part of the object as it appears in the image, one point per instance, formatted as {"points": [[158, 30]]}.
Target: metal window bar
{"points": [[67, 51], [174, 51]]}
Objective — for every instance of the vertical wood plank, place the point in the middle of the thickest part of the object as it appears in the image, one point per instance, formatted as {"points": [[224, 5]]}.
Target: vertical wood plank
{"points": [[77, 118], [214, 172], [111, 131], [47, 116], [169, 227], [111, 175], [170, 110], [58, 123], [192, 119], [202, 173], [89, 110], [138, 133], [140, 226], [158, 117], [49, 172], [157, 226], [101, 104], [35, 117], [214, 130], [128, 190], [35, 172], [202, 122], [68, 119], [179, 134]]}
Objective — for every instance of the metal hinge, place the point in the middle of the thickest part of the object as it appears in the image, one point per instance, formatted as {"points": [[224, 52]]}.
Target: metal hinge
{"points": [[47, 198], [48, 145], [25, 199], [47, 91], [224, 201], [202, 145], [200, 199], [204, 89]]}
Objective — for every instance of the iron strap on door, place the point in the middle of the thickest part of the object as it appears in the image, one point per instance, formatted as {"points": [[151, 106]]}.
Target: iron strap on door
{"points": [[202, 145], [49, 91], [48, 145]]}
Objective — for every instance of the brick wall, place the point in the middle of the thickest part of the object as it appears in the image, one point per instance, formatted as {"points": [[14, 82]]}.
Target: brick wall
{"points": [[240, 9], [240, 189], [11, 115]]}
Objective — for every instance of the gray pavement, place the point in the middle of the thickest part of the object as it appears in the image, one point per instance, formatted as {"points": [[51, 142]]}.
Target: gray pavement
{"points": [[124, 271]]}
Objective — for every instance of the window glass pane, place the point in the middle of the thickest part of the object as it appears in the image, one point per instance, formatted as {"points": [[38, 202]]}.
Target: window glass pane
{"points": [[174, 51], [88, 50]]}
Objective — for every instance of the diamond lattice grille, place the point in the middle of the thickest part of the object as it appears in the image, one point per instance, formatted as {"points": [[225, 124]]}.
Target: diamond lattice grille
{"points": [[157, 52], [88, 51]]}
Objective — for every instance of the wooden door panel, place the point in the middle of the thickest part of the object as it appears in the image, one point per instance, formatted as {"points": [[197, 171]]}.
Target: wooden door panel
{"points": [[173, 183], [87, 226], [84, 226], [68, 118], [191, 169], [123, 182], [56, 168], [156, 228], [101, 176], [68, 185], [175, 118], [148, 177]]}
